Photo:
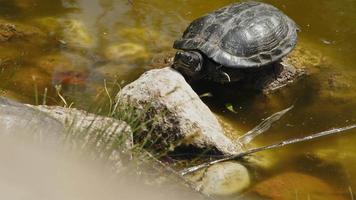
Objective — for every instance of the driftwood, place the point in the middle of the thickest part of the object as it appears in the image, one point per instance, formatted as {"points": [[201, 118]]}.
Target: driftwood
{"points": [[262, 127], [273, 146]]}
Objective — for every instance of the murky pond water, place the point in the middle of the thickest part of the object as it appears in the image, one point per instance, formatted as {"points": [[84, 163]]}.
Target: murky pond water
{"points": [[80, 43]]}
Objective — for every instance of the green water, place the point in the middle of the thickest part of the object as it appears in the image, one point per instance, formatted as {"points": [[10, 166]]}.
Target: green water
{"points": [[324, 100]]}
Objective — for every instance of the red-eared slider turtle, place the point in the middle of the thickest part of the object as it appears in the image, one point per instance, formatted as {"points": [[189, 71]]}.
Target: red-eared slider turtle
{"points": [[236, 38]]}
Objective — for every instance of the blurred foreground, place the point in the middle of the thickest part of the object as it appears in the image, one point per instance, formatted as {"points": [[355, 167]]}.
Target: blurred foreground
{"points": [[34, 172]]}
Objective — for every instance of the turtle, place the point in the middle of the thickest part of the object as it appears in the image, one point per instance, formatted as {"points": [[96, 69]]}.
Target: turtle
{"points": [[241, 37]]}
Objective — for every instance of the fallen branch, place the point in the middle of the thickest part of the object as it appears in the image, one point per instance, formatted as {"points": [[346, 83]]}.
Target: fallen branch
{"points": [[262, 127], [273, 146]]}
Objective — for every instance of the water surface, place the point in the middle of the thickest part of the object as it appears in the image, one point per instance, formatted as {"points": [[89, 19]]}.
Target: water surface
{"points": [[79, 60]]}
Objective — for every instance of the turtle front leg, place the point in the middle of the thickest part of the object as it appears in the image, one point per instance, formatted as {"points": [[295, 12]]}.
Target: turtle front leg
{"points": [[220, 76]]}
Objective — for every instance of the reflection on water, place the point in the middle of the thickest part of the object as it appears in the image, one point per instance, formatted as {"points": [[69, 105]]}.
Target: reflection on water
{"points": [[79, 43]]}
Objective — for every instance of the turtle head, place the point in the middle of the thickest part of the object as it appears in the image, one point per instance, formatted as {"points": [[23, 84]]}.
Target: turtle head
{"points": [[190, 63]]}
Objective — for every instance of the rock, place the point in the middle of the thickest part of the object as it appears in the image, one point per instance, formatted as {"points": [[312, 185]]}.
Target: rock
{"points": [[18, 42], [115, 71], [294, 185], [268, 79], [25, 4], [337, 87], [177, 109], [307, 58], [71, 33], [126, 52], [299, 63], [78, 121], [27, 79], [341, 152], [63, 68], [76, 34], [332, 169], [14, 31], [9, 55], [63, 62], [18, 118], [224, 179], [341, 155], [58, 124], [70, 78], [154, 40], [286, 75], [8, 31], [50, 24], [231, 129]]}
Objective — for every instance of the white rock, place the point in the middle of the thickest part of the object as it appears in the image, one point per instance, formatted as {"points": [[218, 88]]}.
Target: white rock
{"points": [[185, 115], [225, 179]]}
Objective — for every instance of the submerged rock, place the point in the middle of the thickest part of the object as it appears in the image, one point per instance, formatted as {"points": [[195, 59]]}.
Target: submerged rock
{"points": [[285, 74], [271, 78], [337, 87], [64, 61], [307, 58], [65, 68], [76, 34], [25, 4], [50, 24], [72, 33], [27, 79], [118, 71], [70, 78], [114, 70], [165, 96], [10, 31], [152, 39], [126, 52], [294, 185]]}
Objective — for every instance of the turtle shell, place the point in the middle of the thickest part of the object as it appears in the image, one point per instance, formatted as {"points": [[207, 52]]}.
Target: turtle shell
{"points": [[242, 35]]}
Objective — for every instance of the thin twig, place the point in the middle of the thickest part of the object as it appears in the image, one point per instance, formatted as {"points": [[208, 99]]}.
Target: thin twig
{"points": [[273, 146], [262, 127], [351, 193], [109, 96]]}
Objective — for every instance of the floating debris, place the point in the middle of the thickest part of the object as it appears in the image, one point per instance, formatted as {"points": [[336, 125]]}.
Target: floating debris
{"points": [[263, 126]]}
